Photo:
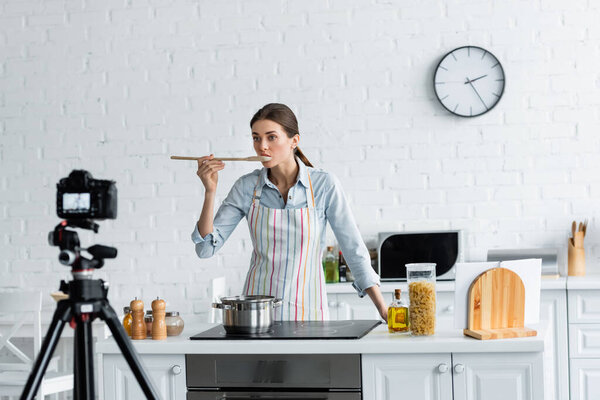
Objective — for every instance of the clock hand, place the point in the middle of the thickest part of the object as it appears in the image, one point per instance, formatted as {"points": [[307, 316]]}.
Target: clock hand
{"points": [[477, 93], [473, 80]]}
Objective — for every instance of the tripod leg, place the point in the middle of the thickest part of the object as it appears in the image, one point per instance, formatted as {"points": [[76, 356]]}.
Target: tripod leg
{"points": [[108, 314], [62, 314], [84, 359]]}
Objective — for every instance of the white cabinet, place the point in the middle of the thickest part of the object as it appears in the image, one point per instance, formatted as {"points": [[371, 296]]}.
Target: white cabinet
{"points": [[516, 376], [167, 373], [464, 376], [585, 379], [553, 316], [584, 344], [411, 376]]}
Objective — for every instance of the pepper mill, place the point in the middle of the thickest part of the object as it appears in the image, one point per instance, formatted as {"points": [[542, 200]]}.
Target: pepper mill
{"points": [[159, 327], [138, 326]]}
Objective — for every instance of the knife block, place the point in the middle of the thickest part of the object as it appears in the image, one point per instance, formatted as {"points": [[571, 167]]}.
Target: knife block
{"points": [[496, 306], [576, 255]]}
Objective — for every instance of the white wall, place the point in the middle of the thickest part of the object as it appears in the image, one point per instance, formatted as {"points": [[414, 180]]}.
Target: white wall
{"points": [[115, 87]]}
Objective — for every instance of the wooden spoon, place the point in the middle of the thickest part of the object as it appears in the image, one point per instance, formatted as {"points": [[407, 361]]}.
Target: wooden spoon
{"points": [[251, 158], [584, 227], [573, 228]]}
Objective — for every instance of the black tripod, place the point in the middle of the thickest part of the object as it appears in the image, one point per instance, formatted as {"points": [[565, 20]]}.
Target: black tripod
{"points": [[87, 301]]}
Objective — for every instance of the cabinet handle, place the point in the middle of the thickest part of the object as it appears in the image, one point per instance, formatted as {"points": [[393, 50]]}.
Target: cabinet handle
{"points": [[443, 368], [176, 369], [449, 309], [459, 368]]}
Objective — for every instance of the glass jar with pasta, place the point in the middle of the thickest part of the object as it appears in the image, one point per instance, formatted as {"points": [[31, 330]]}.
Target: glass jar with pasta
{"points": [[421, 294]]}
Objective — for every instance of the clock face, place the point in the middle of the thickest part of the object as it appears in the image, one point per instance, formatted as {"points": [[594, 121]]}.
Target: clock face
{"points": [[469, 81]]}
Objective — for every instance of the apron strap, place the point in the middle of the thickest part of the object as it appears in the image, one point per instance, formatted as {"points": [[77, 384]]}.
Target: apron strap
{"points": [[312, 195], [257, 191]]}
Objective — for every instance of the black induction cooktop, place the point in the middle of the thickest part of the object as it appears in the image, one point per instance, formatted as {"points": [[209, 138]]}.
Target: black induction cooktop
{"points": [[289, 330]]}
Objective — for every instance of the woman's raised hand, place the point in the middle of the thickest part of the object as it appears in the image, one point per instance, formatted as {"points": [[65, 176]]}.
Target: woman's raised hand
{"points": [[208, 171]]}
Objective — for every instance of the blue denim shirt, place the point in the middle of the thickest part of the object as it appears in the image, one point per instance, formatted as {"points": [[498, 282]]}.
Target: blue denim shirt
{"points": [[331, 206]]}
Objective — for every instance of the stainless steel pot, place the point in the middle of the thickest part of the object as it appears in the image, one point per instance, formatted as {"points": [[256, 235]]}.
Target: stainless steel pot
{"points": [[248, 314]]}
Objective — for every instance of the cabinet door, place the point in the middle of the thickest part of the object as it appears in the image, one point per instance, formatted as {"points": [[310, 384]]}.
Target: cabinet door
{"points": [[332, 302], [167, 373], [585, 379], [407, 376], [350, 306], [498, 376], [553, 315]]}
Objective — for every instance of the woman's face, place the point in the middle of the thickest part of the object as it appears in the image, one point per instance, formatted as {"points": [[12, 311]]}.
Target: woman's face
{"points": [[271, 140]]}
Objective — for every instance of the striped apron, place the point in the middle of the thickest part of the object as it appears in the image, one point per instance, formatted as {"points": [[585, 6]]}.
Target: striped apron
{"points": [[286, 261]]}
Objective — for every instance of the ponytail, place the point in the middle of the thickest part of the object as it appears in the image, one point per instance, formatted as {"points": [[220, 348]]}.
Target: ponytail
{"points": [[303, 158]]}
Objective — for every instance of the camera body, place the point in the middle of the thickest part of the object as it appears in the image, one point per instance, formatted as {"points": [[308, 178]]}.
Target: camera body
{"points": [[80, 196]]}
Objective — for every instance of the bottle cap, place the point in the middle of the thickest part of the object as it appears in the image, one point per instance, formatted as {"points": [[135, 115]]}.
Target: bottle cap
{"points": [[329, 248], [126, 310], [397, 293]]}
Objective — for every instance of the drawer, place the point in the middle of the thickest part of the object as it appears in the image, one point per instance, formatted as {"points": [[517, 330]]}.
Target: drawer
{"points": [[584, 340], [585, 384], [584, 306]]}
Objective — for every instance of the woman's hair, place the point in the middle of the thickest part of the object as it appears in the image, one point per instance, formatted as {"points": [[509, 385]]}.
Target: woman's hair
{"points": [[285, 117]]}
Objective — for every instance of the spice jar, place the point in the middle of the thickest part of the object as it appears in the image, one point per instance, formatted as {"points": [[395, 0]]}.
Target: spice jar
{"points": [[174, 323], [127, 319], [421, 294], [148, 321]]}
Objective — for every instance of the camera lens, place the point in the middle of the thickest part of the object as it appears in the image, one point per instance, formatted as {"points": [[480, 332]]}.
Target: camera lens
{"points": [[66, 257]]}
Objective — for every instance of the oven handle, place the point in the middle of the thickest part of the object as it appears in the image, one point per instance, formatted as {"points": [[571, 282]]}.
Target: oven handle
{"points": [[273, 397]]}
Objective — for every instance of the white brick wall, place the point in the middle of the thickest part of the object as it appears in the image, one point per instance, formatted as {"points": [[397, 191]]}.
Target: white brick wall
{"points": [[115, 87]]}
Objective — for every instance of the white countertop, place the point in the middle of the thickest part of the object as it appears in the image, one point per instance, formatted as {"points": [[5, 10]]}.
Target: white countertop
{"points": [[378, 341], [588, 282], [448, 286]]}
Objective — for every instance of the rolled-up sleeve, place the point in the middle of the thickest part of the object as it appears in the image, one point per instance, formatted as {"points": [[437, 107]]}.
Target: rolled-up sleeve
{"points": [[229, 214], [339, 215]]}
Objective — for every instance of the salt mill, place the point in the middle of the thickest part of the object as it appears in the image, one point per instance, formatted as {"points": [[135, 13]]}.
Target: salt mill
{"points": [[138, 326], [159, 327]]}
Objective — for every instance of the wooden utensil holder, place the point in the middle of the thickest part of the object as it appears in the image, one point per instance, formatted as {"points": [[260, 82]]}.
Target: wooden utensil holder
{"points": [[496, 306], [576, 256]]}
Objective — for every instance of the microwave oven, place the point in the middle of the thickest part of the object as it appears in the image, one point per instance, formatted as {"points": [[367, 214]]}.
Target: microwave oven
{"points": [[396, 249]]}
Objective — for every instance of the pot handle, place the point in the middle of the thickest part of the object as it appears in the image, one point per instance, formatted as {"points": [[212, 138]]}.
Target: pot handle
{"points": [[222, 306], [277, 303]]}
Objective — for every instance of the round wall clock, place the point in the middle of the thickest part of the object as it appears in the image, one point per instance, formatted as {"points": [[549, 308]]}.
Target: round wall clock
{"points": [[469, 81]]}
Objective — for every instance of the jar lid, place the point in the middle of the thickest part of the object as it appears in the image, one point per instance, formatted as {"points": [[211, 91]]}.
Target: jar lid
{"points": [[126, 310], [172, 314]]}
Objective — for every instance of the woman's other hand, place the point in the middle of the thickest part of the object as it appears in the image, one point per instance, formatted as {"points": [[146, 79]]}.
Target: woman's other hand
{"points": [[208, 171], [383, 312], [375, 295]]}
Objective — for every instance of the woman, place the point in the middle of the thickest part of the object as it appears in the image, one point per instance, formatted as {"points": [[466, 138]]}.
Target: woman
{"points": [[287, 204]]}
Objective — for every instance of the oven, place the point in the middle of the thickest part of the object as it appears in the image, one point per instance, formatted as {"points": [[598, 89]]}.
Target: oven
{"points": [[444, 248], [273, 376]]}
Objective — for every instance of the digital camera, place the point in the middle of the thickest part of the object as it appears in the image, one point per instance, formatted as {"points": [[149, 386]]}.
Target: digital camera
{"points": [[80, 196]]}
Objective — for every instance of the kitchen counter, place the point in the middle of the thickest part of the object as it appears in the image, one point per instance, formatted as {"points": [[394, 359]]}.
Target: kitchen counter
{"points": [[448, 286], [378, 341], [588, 282]]}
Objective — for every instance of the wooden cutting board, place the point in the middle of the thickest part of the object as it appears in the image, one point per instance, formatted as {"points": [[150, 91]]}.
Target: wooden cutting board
{"points": [[496, 306]]}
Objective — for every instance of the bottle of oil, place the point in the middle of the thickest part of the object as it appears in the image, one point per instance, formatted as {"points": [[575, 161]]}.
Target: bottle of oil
{"points": [[127, 319], [398, 314], [330, 265]]}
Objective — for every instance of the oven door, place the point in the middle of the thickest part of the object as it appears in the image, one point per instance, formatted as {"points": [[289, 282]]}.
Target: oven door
{"points": [[206, 395]]}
